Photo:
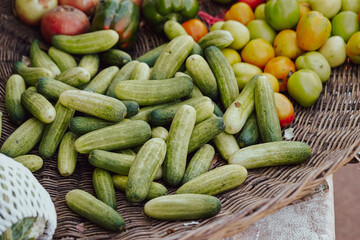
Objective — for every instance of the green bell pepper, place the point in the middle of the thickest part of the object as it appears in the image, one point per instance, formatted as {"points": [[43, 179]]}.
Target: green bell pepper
{"points": [[157, 12]]}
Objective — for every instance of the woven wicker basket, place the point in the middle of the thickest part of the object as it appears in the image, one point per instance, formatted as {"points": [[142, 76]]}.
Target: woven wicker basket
{"points": [[330, 127]]}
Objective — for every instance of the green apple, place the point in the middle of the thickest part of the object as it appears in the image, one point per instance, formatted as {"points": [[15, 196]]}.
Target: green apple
{"points": [[329, 8], [345, 24], [240, 33], [334, 50], [244, 72], [314, 61], [350, 5], [260, 29]]}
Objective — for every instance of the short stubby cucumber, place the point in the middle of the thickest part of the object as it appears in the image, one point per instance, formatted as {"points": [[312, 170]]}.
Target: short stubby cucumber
{"points": [[75, 77], [91, 63], [160, 132], [51, 88], [249, 134], [104, 187], [141, 72], [272, 154], [132, 108], [217, 38], [114, 162], [143, 171], [115, 57], [146, 92], [62, 59], [124, 74], [183, 207], [67, 155], [145, 112], [38, 106], [39, 58], [32, 162], [119, 136], [226, 144], [95, 210], [218, 180], [101, 82], [15, 86], [173, 29], [31, 74], [83, 125], [95, 104]]}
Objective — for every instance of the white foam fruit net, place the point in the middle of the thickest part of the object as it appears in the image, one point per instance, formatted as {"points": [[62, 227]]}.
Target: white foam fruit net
{"points": [[22, 196]]}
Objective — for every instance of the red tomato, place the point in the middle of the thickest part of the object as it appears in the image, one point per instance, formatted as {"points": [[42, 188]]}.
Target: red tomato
{"points": [[285, 109], [195, 28], [253, 3], [87, 6], [65, 20]]}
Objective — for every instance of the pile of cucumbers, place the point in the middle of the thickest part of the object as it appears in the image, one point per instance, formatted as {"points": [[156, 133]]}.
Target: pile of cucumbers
{"points": [[142, 120]]}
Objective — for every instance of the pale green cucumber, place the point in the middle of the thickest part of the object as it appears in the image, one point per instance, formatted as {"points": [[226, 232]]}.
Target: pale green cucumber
{"points": [[218, 180], [156, 189], [159, 132], [226, 144], [124, 74], [75, 77], [146, 92], [119, 136], [132, 108], [83, 125], [24, 138], [39, 58], [87, 43], [151, 56], [144, 168], [101, 82], [127, 151], [144, 113], [194, 93], [238, 112], [183, 207], [218, 38], [55, 131], [62, 59], [32, 162], [172, 57], [249, 134], [204, 111], [173, 29], [67, 155], [141, 72], [271, 154], [177, 145], [224, 74], [104, 187], [202, 75], [266, 114], [51, 88], [15, 86], [38, 106], [31, 74], [205, 131], [115, 57], [199, 163], [95, 104], [113, 162], [160, 173], [196, 49], [91, 63], [95, 210]]}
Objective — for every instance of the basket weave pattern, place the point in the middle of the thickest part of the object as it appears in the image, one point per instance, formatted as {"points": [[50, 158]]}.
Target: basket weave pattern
{"points": [[331, 127]]}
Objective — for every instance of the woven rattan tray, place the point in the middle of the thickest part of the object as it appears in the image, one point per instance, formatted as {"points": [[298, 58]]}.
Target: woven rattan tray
{"points": [[331, 127]]}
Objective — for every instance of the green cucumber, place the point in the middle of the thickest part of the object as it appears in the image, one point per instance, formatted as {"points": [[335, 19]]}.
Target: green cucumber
{"points": [[101, 82], [238, 112], [151, 56], [159, 175], [249, 134], [196, 50], [217, 110], [91, 63], [159, 132], [272, 154], [95, 210], [127, 151], [32, 88], [218, 180], [32, 162], [156, 189], [218, 38], [172, 57], [31, 74], [177, 145], [104, 187], [144, 113], [75, 77], [83, 125], [38, 106], [205, 131], [183, 207], [144, 168], [124, 74], [15, 86], [199, 163], [55, 131], [24, 138], [87, 43], [39, 58], [115, 57], [173, 29], [266, 114], [119, 136], [132, 108], [194, 93], [153, 92], [113, 162], [95, 104], [141, 72], [226, 144], [67, 155], [51, 88], [224, 74], [62, 59], [202, 75]]}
